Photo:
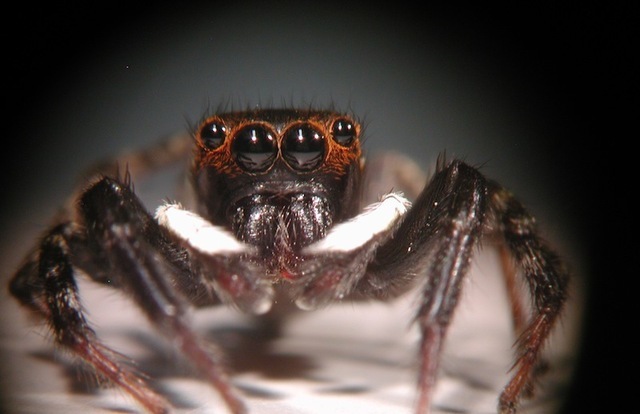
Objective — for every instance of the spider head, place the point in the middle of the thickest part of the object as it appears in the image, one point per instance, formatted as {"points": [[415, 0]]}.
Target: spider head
{"points": [[278, 176]]}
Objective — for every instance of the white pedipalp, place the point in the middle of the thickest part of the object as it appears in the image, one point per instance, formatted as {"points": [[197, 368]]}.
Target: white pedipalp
{"points": [[375, 219], [198, 232]]}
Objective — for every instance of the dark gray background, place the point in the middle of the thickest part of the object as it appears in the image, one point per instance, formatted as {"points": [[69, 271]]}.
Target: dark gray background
{"points": [[527, 94]]}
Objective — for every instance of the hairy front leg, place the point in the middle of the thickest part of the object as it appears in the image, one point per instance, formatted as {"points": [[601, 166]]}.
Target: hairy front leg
{"points": [[438, 235], [385, 250], [126, 248], [434, 248], [47, 285]]}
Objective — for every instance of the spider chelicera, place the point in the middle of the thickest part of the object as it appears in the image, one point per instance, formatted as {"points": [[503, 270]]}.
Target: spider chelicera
{"points": [[279, 209]]}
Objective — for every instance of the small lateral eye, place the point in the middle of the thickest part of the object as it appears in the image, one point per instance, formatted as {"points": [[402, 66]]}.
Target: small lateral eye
{"points": [[254, 148], [343, 131], [303, 147], [213, 134]]}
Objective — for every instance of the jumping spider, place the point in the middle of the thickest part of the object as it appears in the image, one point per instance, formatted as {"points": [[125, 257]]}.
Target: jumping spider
{"points": [[278, 209]]}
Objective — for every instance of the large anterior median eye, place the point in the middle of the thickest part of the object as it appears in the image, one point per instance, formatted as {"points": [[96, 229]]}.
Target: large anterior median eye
{"points": [[303, 147], [254, 148]]}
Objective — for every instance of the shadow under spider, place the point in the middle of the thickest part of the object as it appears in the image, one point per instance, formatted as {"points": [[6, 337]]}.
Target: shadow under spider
{"points": [[244, 348]]}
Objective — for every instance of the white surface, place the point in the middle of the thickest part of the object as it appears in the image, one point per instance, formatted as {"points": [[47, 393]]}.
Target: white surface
{"points": [[349, 358]]}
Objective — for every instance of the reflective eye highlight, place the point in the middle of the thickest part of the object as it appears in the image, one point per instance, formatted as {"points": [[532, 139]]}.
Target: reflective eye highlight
{"points": [[254, 148], [343, 131], [303, 147], [213, 133]]}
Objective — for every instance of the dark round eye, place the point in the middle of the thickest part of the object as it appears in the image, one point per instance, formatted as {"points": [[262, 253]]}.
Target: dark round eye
{"points": [[254, 148], [213, 133], [343, 131], [303, 147]]}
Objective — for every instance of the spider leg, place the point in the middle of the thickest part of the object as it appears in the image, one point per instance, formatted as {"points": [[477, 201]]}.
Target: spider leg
{"points": [[518, 312], [226, 264], [142, 254], [142, 162], [138, 163], [47, 285], [547, 281], [434, 241], [331, 269], [440, 233], [140, 258]]}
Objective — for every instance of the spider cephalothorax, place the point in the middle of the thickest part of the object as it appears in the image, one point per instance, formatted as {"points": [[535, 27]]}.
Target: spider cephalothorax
{"points": [[279, 207], [278, 179]]}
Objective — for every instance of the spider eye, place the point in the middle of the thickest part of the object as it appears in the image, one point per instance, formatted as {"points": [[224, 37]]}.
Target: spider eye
{"points": [[254, 148], [343, 131], [303, 147], [213, 133]]}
